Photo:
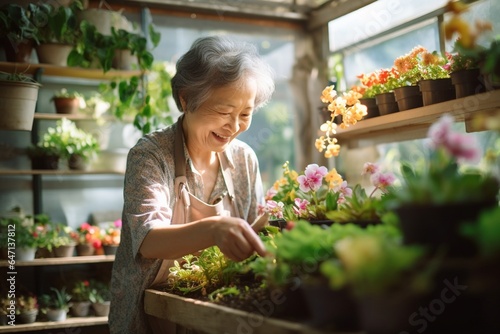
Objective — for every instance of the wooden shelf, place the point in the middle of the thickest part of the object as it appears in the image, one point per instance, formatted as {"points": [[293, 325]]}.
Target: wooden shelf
{"points": [[216, 319], [62, 71], [57, 172], [73, 117], [414, 123], [57, 261], [68, 323]]}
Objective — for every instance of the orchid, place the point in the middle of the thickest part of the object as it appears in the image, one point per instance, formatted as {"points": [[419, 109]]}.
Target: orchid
{"points": [[348, 107]]}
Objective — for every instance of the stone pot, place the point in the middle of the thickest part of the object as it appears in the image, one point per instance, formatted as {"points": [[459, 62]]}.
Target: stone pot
{"points": [[80, 309]]}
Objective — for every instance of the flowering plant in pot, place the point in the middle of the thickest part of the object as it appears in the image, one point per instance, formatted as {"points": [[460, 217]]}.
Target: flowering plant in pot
{"points": [[472, 57], [27, 308], [80, 298], [111, 236], [88, 238], [100, 296], [437, 194], [68, 101]]}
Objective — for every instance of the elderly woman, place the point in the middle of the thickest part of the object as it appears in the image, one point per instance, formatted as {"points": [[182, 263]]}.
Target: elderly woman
{"points": [[192, 185]]}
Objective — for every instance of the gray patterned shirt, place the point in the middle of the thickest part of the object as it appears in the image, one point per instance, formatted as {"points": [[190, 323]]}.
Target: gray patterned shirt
{"points": [[148, 202]]}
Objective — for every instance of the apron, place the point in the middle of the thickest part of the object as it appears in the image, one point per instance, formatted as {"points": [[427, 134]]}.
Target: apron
{"points": [[187, 207]]}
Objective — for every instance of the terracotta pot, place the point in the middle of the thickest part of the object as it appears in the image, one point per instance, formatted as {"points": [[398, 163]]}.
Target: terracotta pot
{"points": [[110, 249], [386, 103], [124, 60], [77, 162], [371, 107], [20, 52], [467, 82], [28, 317], [64, 251], [85, 250], [408, 97], [53, 53], [80, 309], [436, 91], [101, 309], [17, 104], [67, 105]]}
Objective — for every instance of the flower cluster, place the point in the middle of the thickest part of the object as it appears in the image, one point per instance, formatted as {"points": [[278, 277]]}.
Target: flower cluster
{"points": [[348, 107], [377, 82], [308, 195], [110, 236], [25, 303], [81, 291], [88, 234], [420, 64]]}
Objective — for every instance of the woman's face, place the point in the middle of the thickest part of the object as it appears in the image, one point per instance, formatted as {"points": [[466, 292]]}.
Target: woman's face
{"points": [[226, 114]]}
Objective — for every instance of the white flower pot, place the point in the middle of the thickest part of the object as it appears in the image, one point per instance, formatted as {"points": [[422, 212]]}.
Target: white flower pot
{"points": [[25, 253]]}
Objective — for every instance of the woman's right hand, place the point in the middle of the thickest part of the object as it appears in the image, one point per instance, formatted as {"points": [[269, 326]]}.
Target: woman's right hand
{"points": [[236, 239]]}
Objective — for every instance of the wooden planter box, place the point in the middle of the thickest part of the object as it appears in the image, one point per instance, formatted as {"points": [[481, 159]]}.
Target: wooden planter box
{"points": [[210, 318]]}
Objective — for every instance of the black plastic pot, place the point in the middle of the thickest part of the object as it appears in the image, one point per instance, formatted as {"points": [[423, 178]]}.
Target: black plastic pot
{"points": [[408, 97], [386, 103], [437, 90], [467, 82], [371, 107]]}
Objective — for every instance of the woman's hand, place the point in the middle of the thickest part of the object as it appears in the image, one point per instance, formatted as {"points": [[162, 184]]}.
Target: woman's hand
{"points": [[236, 238]]}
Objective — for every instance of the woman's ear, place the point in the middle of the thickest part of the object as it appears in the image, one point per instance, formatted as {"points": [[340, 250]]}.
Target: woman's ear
{"points": [[183, 103]]}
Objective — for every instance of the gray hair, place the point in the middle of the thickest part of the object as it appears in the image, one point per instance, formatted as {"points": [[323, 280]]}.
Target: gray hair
{"points": [[214, 62]]}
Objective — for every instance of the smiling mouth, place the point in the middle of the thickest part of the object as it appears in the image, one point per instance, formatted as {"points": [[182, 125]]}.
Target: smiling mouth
{"points": [[221, 137]]}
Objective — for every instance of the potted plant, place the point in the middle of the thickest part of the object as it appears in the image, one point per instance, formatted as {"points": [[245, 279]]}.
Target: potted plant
{"points": [[55, 304], [67, 101], [100, 297], [26, 238], [63, 240], [468, 48], [88, 239], [383, 90], [78, 146], [388, 280], [60, 34], [80, 298], [436, 195], [19, 29], [111, 237], [27, 308], [19, 94]]}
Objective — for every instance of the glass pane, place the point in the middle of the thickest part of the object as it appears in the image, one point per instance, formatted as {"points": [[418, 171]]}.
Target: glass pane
{"points": [[376, 18]]}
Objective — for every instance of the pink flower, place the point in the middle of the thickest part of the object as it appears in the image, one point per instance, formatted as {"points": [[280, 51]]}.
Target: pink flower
{"points": [[300, 206], [312, 178], [382, 180], [345, 190], [118, 223], [275, 208], [440, 131], [370, 168], [463, 147], [271, 192]]}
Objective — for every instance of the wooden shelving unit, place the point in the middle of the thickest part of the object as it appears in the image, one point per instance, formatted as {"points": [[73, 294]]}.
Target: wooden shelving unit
{"points": [[68, 72], [414, 123], [56, 261], [42, 325]]}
